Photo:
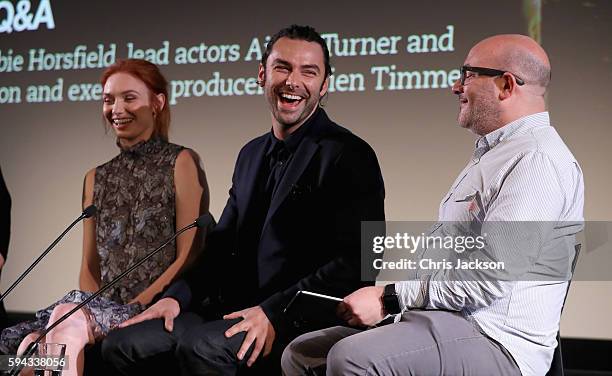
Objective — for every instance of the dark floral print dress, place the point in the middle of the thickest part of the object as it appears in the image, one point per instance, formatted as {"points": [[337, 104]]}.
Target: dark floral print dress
{"points": [[134, 193]]}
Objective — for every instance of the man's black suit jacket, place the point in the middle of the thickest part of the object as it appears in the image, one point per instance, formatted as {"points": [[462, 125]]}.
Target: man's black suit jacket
{"points": [[311, 235]]}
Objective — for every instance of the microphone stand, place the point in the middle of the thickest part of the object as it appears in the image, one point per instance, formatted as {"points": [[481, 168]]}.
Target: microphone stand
{"points": [[88, 212], [202, 221]]}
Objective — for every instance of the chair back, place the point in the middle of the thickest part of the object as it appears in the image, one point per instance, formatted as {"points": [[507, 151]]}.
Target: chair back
{"points": [[556, 367]]}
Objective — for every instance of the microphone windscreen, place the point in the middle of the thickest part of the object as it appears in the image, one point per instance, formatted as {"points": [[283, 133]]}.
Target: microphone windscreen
{"points": [[204, 220], [90, 211]]}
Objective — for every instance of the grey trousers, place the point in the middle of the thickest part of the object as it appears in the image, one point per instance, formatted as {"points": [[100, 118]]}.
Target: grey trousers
{"points": [[422, 343]]}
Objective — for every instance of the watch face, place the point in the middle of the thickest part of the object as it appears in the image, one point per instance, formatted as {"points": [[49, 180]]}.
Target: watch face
{"points": [[391, 304], [390, 289]]}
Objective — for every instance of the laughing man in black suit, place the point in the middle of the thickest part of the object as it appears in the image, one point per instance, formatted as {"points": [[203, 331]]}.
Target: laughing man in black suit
{"points": [[292, 222]]}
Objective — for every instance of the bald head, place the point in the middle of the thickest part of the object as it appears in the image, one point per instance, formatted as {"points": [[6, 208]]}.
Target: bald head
{"points": [[489, 101], [516, 53]]}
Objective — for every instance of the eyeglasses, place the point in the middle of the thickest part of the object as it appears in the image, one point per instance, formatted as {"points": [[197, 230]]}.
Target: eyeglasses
{"points": [[487, 72]]}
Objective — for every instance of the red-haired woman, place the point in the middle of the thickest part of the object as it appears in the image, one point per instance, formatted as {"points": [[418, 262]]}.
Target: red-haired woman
{"points": [[143, 195]]}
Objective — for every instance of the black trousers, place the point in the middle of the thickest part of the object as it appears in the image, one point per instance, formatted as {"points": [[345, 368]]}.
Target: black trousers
{"points": [[4, 322], [195, 347]]}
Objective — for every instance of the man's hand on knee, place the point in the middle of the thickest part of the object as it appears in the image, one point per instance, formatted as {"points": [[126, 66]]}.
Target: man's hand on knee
{"points": [[363, 307], [258, 329], [166, 308]]}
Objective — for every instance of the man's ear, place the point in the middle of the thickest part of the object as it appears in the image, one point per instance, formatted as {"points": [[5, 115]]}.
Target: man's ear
{"points": [[508, 86], [261, 75], [324, 87]]}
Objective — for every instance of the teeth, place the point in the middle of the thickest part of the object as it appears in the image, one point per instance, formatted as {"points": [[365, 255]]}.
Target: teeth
{"points": [[290, 96], [121, 121]]}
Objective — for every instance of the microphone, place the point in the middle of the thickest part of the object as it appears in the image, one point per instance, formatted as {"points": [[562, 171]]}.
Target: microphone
{"points": [[202, 222], [89, 211]]}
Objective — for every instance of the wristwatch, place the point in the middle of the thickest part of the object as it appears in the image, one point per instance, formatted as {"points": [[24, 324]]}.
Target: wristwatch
{"points": [[390, 300]]}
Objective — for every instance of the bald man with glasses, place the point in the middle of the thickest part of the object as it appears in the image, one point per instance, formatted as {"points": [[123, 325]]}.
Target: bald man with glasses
{"points": [[523, 189]]}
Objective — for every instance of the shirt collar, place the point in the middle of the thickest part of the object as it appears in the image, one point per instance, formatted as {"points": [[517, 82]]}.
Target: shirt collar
{"points": [[514, 128]]}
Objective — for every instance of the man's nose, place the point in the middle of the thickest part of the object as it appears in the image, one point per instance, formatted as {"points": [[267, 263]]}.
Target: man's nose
{"points": [[292, 80], [457, 87]]}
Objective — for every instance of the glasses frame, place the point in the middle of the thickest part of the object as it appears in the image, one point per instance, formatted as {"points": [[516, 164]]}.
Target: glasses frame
{"points": [[487, 72]]}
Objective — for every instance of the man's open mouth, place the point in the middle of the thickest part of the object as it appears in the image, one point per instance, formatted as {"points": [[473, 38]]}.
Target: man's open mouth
{"points": [[291, 99]]}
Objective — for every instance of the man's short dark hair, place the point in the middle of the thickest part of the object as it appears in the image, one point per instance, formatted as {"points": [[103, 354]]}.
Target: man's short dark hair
{"points": [[306, 33]]}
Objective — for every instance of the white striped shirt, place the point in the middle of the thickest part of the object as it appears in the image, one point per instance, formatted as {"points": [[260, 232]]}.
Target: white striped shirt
{"points": [[521, 172]]}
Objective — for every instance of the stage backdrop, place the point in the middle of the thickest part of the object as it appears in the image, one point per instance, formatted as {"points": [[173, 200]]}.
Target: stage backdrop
{"points": [[394, 64]]}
